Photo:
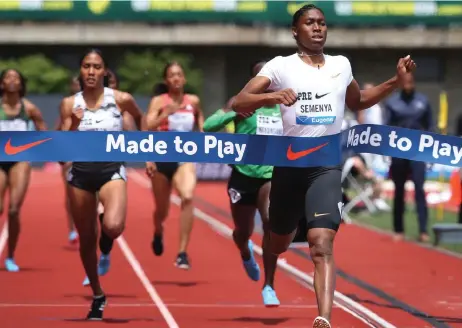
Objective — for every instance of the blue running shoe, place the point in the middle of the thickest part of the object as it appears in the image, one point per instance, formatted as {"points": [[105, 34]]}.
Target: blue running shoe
{"points": [[11, 265], [251, 266], [73, 237], [269, 297], [104, 264], [103, 267]]}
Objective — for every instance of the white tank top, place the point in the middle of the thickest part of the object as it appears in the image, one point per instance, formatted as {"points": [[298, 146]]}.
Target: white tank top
{"points": [[19, 122], [321, 93], [106, 118]]}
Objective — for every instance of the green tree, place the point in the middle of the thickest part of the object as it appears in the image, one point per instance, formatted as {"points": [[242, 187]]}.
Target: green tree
{"points": [[140, 72], [43, 75]]}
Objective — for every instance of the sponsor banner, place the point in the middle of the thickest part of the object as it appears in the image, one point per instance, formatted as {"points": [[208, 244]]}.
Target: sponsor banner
{"points": [[225, 148]]}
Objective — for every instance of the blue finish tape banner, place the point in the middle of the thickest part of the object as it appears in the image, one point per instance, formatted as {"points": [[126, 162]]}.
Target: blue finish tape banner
{"points": [[35, 146]]}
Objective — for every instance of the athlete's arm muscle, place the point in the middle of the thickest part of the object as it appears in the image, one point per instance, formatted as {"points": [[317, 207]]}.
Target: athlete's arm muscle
{"points": [[128, 122], [153, 119], [65, 110], [357, 99], [252, 96], [128, 104], [200, 114], [35, 115]]}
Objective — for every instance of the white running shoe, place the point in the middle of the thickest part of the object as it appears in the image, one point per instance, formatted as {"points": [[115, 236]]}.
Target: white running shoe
{"points": [[321, 322]]}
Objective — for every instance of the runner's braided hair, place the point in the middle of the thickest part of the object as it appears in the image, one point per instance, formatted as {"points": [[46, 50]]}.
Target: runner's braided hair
{"points": [[301, 11]]}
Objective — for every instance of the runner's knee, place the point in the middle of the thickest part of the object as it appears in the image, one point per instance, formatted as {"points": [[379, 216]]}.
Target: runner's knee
{"points": [[186, 196], [13, 212], [114, 226], [321, 248], [279, 243], [241, 235]]}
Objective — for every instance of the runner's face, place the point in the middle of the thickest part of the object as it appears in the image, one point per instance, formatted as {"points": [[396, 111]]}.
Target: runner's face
{"points": [[112, 81], [311, 31], [92, 71], [175, 79], [11, 82]]}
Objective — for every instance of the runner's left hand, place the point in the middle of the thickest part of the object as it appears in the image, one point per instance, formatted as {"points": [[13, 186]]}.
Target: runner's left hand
{"points": [[405, 66]]}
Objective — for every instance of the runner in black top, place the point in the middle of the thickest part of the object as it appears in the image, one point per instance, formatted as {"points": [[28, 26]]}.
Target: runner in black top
{"points": [[16, 113], [99, 109], [324, 83]]}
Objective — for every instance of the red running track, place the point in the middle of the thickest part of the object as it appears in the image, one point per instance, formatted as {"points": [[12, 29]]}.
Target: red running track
{"points": [[143, 290], [422, 278]]}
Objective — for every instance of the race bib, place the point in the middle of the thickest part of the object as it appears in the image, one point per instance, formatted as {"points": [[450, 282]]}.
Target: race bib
{"points": [[314, 108], [183, 122], [269, 125], [13, 125]]}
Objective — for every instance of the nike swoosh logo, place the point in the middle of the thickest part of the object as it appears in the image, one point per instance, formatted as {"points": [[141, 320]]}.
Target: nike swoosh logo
{"points": [[334, 76], [320, 96], [13, 150], [99, 121], [292, 156], [320, 214]]}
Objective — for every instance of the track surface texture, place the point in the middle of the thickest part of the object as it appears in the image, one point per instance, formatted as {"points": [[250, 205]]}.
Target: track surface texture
{"points": [[383, 278]]}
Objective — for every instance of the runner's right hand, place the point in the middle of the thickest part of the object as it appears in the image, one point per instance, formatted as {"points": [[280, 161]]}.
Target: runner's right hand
{"points": [[151, 169], [286, 97], [171, 108], [77, 114]]}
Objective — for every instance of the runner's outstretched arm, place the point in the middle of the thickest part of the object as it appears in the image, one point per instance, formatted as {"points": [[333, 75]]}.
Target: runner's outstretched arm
{"points": [[357, 99]]}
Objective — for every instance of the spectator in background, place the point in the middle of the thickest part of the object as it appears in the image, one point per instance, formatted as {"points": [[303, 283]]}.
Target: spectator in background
{"points": [[409, 109]]}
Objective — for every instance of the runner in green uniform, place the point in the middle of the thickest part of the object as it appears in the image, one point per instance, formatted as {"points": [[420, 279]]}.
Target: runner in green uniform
{"points": [[249, 187], [16, 114]]}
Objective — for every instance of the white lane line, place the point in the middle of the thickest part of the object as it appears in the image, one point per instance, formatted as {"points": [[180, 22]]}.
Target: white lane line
{"points": [[136, 266], [3, 237], [148, 305]]}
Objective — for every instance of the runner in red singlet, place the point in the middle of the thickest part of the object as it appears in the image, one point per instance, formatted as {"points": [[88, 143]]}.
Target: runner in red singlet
{"points": [[171, 109]]}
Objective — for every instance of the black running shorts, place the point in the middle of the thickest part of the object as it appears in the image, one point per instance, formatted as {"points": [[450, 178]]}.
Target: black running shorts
{"points": [[313, 194], [243, 190], [6, 166], [93, 180], [168, 169]]}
